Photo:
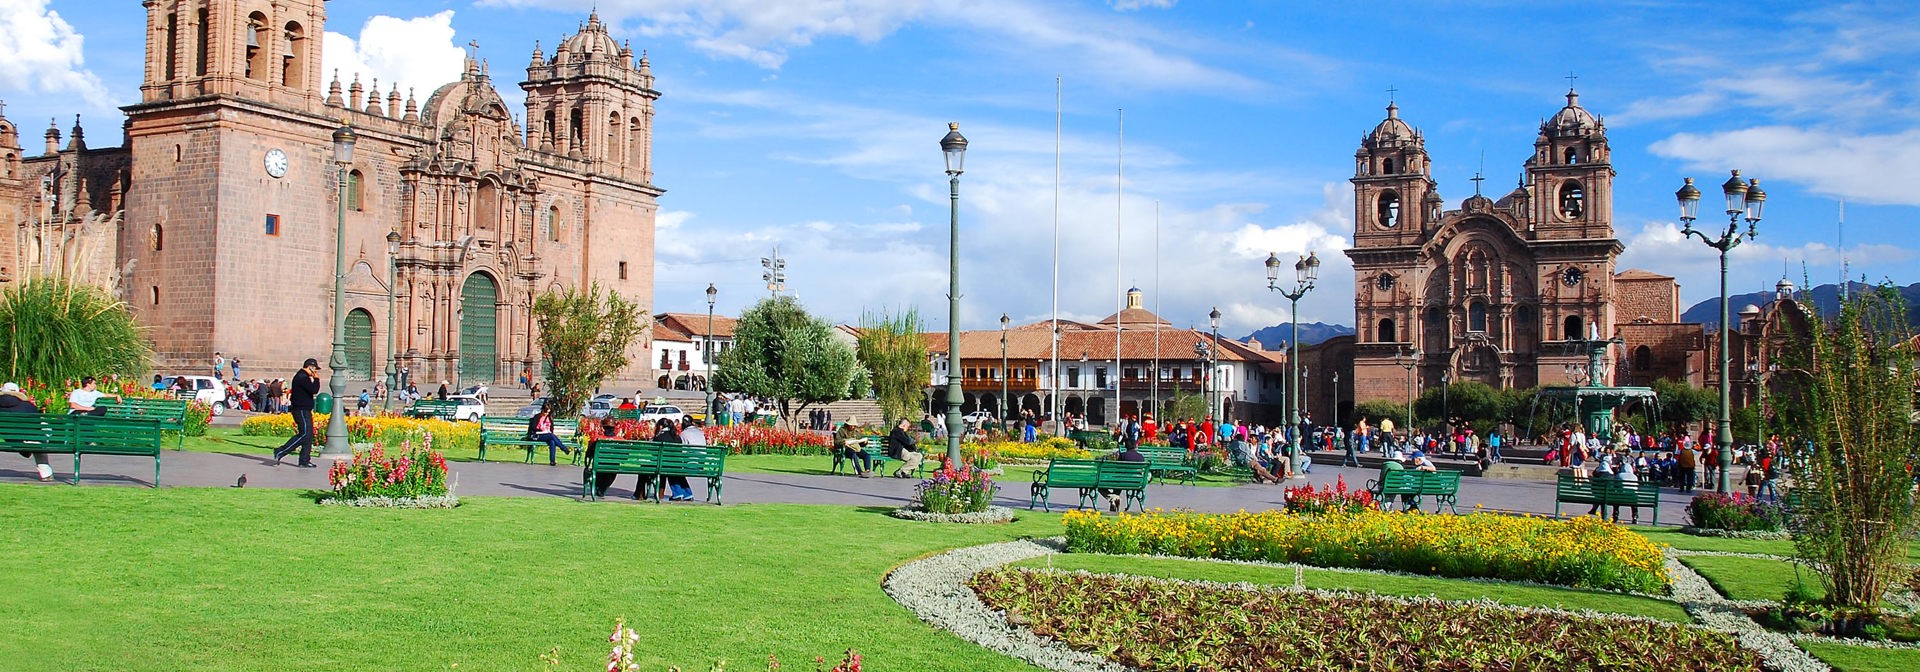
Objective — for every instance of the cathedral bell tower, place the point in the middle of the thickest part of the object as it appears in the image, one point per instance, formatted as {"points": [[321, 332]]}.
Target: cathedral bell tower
{"points": [[592, 102], [1572, 175], [265, 52], [1392, 185]]}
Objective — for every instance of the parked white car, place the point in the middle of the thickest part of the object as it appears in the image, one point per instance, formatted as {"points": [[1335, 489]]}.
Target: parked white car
{"points": [[206, 389], [470, 408], [654, 412]]}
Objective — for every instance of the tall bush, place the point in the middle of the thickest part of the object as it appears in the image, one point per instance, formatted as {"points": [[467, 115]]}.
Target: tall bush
{"points": [[895, 356], [1847, 386], [56, 330], [782, 353], [584, 334]]}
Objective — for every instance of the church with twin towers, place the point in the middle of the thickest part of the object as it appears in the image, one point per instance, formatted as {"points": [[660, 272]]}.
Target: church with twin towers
{"points": [[215, 218]]}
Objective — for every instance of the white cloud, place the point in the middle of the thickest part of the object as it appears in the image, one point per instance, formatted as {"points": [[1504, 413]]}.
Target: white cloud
{"points": [[1135, 5], [417, 53], [1753, 266], [40, 52], [765, 33], [1867, 168]]}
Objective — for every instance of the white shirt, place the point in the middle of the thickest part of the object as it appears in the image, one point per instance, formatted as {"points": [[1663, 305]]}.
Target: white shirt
{"points": [[692, 436], [85, 397]]}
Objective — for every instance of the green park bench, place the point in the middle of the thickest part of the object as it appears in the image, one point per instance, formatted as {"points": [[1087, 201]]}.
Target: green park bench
{"points": [[876, 449], [1572, 489], [497, 431], [79, 435], [443, 409], [1089, 477], [1443, 486], [170, 413], [619, 414], [652, 458], [1163, 460]]}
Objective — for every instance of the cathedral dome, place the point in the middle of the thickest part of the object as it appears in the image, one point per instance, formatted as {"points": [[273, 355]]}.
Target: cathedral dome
{"points": [[1391, 130], [592, 38], [1572, 119]]}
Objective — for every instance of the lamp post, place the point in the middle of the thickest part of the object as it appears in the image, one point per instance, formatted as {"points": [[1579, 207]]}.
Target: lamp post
{"points": [[337, 447], [1758, 375], [1000, 413], [393, 262], [1408, 362], [1336, 399], [1446, 424], [1215, 408], [1204, 351], [1305, 271], [1743, 199], [954, 146], [712, 293]]}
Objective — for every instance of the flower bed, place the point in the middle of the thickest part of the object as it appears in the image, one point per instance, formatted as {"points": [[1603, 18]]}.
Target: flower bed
{"points": [[954, 490], [1154, 624], [411, 474], [1305, 500], [992, 514], [1017, 451], [764, 440], [383, 429], [1584, 552], [1735, 512]]}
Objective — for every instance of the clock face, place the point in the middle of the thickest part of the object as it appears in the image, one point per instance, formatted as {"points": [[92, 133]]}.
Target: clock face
{"points": [[1572, 276], [276, 163], [1385, 282]]}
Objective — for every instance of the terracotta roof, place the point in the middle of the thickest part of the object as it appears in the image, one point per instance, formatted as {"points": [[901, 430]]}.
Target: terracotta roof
{"points": [[695, 324], [1135, 316], [661, 333], [1033, 344], [1638, 274]]}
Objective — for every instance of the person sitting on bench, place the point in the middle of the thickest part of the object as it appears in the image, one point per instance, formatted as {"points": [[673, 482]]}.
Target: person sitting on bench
{"points": [[900, 446], [12, 400]]}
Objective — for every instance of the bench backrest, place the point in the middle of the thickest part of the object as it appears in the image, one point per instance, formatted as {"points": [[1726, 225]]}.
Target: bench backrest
{"points": [[499, 425], [682, 459], [1570, 485], [1123, 475], [566, 428], [624, 414], [654, 457], [621, 454], [1067, 472], [1401, 480], [170, 412], [36, 428], [1164, 454], [1439, 482], [116, 436]]}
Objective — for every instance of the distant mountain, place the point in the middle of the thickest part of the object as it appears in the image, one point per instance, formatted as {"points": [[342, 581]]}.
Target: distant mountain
{"points": [[1825, 297], [1310, 334]]}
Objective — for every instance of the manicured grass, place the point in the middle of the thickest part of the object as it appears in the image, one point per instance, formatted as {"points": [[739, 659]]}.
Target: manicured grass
{"points": [[1447, 589], [1781, 547], [250, 579], [1750, 578], [1864, 658]]}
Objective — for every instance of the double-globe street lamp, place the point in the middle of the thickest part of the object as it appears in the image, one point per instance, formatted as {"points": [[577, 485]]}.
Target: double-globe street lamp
{"points": [[1744, 198], [1305, 272], [1204, 351], [954, 145], [1000, 413], [1215, 407], [336, 447]]}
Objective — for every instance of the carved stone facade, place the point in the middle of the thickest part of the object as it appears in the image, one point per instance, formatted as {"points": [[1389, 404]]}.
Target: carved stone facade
{"points": [[231, 195], [1492, 291]]}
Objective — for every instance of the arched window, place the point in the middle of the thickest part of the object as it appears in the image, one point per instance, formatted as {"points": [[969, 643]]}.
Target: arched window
{"points": [[553, 223], [635, 150], [293, 58], [1523, 319], [157, 238], [1642, 359], [173, 46], [1386, 166], [486, 208], [356, 191], [549, 136], [1571, 328], [1477, 316], [154, 294], [576, 131], [1387, 211], [613, 137], [1573, 199], [1573, 156], [202, 44], [257, 40], [1386, 333]]}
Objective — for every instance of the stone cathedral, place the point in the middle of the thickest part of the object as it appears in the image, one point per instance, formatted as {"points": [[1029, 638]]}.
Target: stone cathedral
{"points": [[1494, 290], [216, 219]]}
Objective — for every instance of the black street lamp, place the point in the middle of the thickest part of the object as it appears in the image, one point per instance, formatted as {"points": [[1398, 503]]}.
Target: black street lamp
{"points": [[393, 262], [954, 146], [712, 294], [1408, 362], [1305, 272], [1001, 412], [1743, 199], [1215, 408], [337, 447]]}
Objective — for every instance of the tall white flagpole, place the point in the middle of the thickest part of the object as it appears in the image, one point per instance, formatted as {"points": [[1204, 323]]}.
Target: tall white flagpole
{"points": [[1119, 254], [1053, 375]]}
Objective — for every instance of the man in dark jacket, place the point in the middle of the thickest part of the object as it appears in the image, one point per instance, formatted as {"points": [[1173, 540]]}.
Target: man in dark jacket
{"points": [[900, 446], [12, 400], [306, 384]]}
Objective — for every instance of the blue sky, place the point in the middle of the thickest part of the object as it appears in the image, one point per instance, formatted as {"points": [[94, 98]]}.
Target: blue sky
{"points": [[813, 124]]}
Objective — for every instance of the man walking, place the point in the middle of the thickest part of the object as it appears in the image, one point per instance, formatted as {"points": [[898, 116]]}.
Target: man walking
{"points": [[219, 367], [306, 384]]}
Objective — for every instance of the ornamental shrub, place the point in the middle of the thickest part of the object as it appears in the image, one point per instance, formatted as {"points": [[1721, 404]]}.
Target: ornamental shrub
{"points": [[1584, 552], [415, 472], [755, 439], [951, 489], [1038, 451], [387, 429], [1305, 500], [198, 416], [1736, 512]]}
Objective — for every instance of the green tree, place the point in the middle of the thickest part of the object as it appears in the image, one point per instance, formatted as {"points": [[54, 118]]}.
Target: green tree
{"points": [[895, 357], [1374, 410], [1465, 401], [1848, 393], [1184, 405], [57, 330], [585, 335], [783, 354], [1683, 403]]}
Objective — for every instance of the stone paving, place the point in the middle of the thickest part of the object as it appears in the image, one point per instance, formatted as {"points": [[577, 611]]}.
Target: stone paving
{"points": [[494, 479]]}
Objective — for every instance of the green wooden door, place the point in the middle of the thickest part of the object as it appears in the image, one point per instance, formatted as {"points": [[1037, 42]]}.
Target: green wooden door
{"points": [[477, 330], [360, 344]]}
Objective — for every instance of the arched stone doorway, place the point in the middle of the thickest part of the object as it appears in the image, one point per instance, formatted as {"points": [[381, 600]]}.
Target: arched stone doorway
{"points": [[479, 336], [1097, 411], [1031, 403], [1075, 407], [359, 344]]}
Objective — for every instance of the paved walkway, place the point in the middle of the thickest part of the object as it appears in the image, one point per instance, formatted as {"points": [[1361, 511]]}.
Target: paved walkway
{"points": [[195, 469]]}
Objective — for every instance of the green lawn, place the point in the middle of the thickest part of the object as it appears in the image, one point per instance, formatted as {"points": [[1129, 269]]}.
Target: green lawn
{"points": [[1448, 589], [1750, 578], [224, 579], [1865, 659], [1781, 547]]}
